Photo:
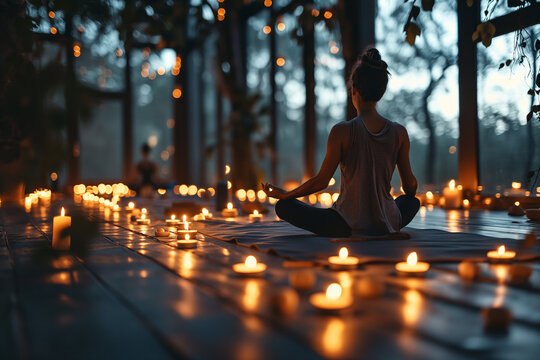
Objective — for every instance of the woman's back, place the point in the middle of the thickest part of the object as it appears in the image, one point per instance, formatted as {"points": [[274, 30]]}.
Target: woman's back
{"points": [[367, 164]]}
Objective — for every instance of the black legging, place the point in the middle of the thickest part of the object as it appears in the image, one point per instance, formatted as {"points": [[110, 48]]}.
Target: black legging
{"points": [[328, 222]]}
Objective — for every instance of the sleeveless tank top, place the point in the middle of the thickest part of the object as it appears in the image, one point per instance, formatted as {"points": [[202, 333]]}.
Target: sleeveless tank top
{"points": [[367, 165]]}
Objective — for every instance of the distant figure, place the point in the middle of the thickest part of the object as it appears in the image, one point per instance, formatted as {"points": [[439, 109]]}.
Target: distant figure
{"points": [[147, 171], [367, 149]]}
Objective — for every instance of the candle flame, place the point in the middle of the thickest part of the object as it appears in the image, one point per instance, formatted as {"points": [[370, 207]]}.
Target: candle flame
{"points": [[251, 261], [229, 206], [131, 205], [63, 212], [412, 259], [452, 184], [516, 203], [144, 211], [343, 253], [116, 207], [227, 169], [187, 237], [255, 212], [333, 292], [516, 185], [501, 250], [173, 217], [143, 216], [184, 218], [205, 211], [429, 195], [186, 225]]}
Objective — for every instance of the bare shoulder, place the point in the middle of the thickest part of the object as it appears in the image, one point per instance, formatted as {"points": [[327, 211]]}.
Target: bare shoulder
{"points": [[340, 130]]}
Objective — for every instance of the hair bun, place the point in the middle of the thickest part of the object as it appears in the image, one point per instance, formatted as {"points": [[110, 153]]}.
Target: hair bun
{"points": [[372, 58]]}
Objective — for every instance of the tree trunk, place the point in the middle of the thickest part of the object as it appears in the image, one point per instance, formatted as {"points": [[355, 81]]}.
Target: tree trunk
{"points": [[531, 144], [429, 174]]}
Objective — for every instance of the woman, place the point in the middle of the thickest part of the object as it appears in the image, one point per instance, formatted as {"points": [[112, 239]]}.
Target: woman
{"points": [[367, 149]]}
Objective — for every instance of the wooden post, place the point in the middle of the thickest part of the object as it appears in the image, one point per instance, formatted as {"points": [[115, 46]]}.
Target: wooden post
{"points": [[273, 103], [127, 116], [71, 108], [468, 150], [202, 121], [220, 156], [181, 131], [309, 109]]}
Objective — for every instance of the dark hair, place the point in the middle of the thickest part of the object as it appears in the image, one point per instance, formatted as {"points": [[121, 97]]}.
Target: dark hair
{"points": [[369, 75], [145, 149]]}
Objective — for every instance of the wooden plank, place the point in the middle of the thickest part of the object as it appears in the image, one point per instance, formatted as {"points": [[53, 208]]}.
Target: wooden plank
{"points": [[519, 19], [468, 147]]}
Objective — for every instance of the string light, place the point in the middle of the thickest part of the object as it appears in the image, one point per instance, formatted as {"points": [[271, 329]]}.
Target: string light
{"points": [[328, 14], [280, 61], [53, 30], [177, 93], [267, 29]]}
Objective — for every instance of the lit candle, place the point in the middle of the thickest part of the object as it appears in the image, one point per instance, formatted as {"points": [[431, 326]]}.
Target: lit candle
{"points": [[182, 224], [516, 190], [186, 242], [130, 206], [143, 220], [60, 223], [172, 220], [161, 232], [452, 196], [501, 254], [516, 210], [230, 211], [343, 261], [115, 207], [255, 216], [206, 213], [333, 299], [181, 234], [412, 266], [250, 267]]}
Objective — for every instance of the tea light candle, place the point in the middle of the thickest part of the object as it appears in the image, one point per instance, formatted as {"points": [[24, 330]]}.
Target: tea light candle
{"points": [[60, 223], [516, 210], [343, 261], [130, 206], [184, 222], [501, 254], [206, 213], [412, 266], [160, 232], [181, 234], [255, 216], [250, 267], [332, 300], [173, 220], [452, 196], [186, 242], [116, 207], [229, 211], [143, 220]]}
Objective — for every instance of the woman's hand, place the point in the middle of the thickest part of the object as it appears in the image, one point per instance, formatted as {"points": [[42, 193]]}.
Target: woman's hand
{"points": [[274, 191]]}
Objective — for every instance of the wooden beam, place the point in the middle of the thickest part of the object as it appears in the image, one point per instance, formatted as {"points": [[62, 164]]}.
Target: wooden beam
{"points": [[309, 109], [202, 120], [273, 104], [181, 132], [127, 118], [220, 149], [72, 108], [519, 19], [468, 149]]}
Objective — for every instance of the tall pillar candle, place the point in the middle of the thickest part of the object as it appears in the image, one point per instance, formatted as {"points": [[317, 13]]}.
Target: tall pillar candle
{"points": [[60, 224]]}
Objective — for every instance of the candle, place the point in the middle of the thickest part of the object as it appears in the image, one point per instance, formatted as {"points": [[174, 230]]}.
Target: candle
{"points": [[516, 210], [206, 213], [182, 224], [143, 220], [255, 216], [412, 266], [250, 267], [452, 196], [501, 254], [144, 211], [116, 207], [343, 261], [161, 232], [172, 220], [60, 223], [130, 206], [181, 234], [516, 190], [332, 300], [186, 242], [229, 211]]}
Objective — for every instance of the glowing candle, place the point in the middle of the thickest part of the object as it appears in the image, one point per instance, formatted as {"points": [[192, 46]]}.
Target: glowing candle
{"points": [[412, 266], [230, 211], [60, 223], [186, 242], [115, 207], [143, 220], [452, 196], [181, 234], [343, 261], [255, 216], [130, 206], [501, 254], [516, 210], [172, 220], [333, 299], [161, 232], [250, 267]]}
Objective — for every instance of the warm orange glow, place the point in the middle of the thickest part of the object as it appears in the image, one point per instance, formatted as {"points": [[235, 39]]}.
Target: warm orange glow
{"points": [[466, 203], [255, 212], [241, 194], [267, 29], [227, 169], [131, 205], [412, 259], [63, 212], [177, 93], [251, 195], [251, 261], [261, 195], [343, 253], [452, 149], [229, 206], [333, 292], [162, 191], [52, 14], [334, 49], [144, 211], [332, 182], [184, 218], [315, 12], [54, 30], [229, 185], [205, 211], [452, 184], [516, 185], [221, 17], [186, 225], [267, 3], [281, 26], [143, 216], [221, 12], [161, 71], [328, 14], [429, 195], [173, 217], [501, 250], [280, 61], [516, 203]]}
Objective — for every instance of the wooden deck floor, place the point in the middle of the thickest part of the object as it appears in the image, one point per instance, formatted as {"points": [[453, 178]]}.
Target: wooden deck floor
{"points": [[137, 297]]}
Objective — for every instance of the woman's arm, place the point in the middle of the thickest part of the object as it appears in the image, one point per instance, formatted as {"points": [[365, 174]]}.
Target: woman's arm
{"points": [[320, 181], [408, 181]]}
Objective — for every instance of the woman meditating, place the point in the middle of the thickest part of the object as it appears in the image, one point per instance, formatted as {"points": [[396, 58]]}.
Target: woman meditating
{"points": [[367, 149]]}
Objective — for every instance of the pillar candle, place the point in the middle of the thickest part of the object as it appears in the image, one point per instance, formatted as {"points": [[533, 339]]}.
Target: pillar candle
{"points": [[60, 223]]}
